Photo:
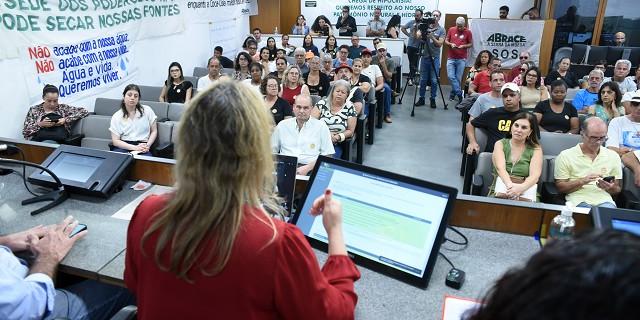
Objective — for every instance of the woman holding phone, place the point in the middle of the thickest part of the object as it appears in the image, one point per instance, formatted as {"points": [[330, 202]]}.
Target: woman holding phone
{"points": [[210, 245]]}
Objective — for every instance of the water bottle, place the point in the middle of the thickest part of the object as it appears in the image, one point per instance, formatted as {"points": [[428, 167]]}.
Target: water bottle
{"points": [[275, 30], [562, 225]]}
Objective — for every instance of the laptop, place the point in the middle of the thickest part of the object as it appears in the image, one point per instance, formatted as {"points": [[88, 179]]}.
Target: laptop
{"points": [[392, 224], [285, 167]]}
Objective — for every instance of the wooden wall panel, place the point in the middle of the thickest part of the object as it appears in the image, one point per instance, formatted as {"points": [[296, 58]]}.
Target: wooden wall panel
{"points": [[546, 45], [289, 11], [487, 216], [268, 16]]}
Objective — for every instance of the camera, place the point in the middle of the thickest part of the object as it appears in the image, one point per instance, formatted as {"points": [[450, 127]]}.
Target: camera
{"points": [[424, 25]]}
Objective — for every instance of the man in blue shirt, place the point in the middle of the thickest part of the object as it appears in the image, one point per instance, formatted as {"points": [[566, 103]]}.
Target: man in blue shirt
{"points": [[28, 291], [588, 97]]}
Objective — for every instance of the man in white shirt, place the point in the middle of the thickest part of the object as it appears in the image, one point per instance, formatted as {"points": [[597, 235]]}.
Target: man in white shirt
{"points": [[374, 74], [624, 132], [304, 137], [214, 67], [620, 73]]}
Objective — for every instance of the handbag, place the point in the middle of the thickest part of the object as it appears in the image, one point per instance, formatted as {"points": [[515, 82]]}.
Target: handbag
{"points": [[500, 189], [55, 133]]}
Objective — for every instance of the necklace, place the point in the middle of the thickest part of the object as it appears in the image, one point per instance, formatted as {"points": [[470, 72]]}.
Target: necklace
{"points": [[514, 164]]}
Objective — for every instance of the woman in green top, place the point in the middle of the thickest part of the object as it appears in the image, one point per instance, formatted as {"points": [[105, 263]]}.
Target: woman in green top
{"points": [[608, 105], [517, 159]]}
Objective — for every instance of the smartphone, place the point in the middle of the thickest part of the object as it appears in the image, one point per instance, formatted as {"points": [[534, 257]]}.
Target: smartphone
{"points": [[79, 228], [54, 120], [608, 179]]}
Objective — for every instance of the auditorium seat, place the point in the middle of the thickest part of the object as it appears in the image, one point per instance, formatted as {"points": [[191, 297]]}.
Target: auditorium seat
{"points": [[150, 93], [199, 72], [290, 60], [571, 93], [228, 71], [549, 193], [470, 161], [106, 106], [553, 143], [175, 111], [596, 54], [193, 80], [163, 146], [161, 109], [630, 196], [315, 99], [578, 53], [483, 175], [96, 132], [371, 117]]}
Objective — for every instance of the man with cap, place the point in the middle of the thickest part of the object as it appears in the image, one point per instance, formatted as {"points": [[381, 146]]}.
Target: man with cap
{"points": [[387, 67], [624, 132], [375, 75], [497, 121], [459, 39], [356, 96], [430, 62]]}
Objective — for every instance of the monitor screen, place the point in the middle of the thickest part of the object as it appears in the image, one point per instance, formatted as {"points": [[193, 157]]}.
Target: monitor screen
{"points": [[74, 167], [626, 225], [386, 219]]}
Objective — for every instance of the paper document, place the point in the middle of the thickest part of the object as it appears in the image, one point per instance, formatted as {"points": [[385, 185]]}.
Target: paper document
{"points": [[455, 307], [527, 194], [127, 211]]}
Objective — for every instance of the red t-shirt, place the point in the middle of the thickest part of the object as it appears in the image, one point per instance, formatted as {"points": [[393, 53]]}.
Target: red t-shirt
{"points": [[482, 82], [281, 280], [458, 38], [290, 94]]}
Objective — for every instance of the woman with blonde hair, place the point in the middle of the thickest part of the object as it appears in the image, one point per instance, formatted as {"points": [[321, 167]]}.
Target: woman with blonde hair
{"points": [[209, 248], [292, 84]]}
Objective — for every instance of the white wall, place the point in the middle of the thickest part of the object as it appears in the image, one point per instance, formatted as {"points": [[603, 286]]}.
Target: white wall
{"points": [[489, 7]]}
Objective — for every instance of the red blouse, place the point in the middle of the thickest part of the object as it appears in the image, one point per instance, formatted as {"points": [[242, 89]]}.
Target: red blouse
{"points": [[290, 94], [279, 281]]}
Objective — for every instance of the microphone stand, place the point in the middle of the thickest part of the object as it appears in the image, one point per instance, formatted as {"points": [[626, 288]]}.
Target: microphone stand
{"points": [[56, 196]]}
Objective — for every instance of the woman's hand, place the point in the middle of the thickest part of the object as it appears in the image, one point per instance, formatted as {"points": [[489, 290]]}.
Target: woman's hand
{"points": [[331, 211], [335, 138], [142, 147], [515, 190]]}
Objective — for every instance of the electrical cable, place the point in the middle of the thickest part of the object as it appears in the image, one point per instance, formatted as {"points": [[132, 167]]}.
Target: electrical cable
{"points": [[465, 241], [24, 173], [446, 259]]}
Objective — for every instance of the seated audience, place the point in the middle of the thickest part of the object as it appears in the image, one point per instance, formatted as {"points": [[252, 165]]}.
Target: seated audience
{"points": [[626, 98], [563, 73], [600, 65], [279, 108], [388, 68], [555, 114], [243, 60], [338, 114], [292, 84], [214, 68], [281, 66], [532, 90], [284, 44], [49, 120], [491, 99], [481, 81], [355, 49], [267, 64], [257, 35], [281, 53], [327, 65], [355, 94], [175, 88], [343, 57], [596, 271], [503, 12], [361, 82], [224, 61], [255, 81], [481, 64], [133, 127], [620, 76], [303, 137], [393, 27], [630, 160], [321, 27], [524, 57], [579, 171], [517, 159], [317, 82], [28, 290], [271, 45], [496, 121], [301, 27], [206, 246], [252, 49], [608, 105], [374, 73], [524, 67], [624, 131], [587, 97], [330, 46], [308, 46], [299, 56]]}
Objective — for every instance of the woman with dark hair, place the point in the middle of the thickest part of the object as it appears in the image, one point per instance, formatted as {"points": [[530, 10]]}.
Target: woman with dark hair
{"points": [[243, 60], [481, 64], [517, 160], [338, 113], [330, 46], [50, 120], [256, 71], [321, 27], [393, 27], [271, 45], [531, 90], [175, 88], [317, 82], [307, 44], [133, 127], [267, 64], [279, 108], [555, 114], [563, 73], [211, 247], [608, 105], [301, 27]]}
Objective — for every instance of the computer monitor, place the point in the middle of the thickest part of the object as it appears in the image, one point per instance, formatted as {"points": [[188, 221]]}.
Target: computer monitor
{"points": [[85, 171], [392, 224], [615, 218], [286, 167]]}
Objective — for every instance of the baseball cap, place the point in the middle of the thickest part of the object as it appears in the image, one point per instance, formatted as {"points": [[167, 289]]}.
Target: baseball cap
{"points": [[308, 55], [635, 96], [511, 86], [344, 65], [365, 51], [381, 45]]}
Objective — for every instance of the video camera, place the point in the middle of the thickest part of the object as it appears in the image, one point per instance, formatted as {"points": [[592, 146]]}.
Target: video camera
{"points": [[424, 25]]}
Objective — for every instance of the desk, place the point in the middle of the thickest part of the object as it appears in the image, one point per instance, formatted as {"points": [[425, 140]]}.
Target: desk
{"points": [[100, 255]]}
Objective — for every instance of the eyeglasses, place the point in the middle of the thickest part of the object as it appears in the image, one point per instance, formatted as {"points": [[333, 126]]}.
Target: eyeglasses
{"points": [[175, 70], [272, 86], [344, 52], [523, 69], [382, 50], [635, 104], [242, 59], [345, 11], [524, 57], [598, 139]]}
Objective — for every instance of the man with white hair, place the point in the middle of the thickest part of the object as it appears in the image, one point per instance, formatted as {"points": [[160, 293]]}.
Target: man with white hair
{"points": [[298, 55], [620, 73], [459, 39], [588, 96]]}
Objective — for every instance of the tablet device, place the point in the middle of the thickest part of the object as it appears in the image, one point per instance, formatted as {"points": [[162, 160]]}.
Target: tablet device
{"points": [[615, 218], [392, 224]]}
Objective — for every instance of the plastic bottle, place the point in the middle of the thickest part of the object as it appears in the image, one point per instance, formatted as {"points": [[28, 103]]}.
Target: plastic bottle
{"points": [[562, 226], [275, 30]]}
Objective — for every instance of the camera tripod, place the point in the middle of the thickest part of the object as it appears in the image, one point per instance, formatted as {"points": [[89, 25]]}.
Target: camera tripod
{"points": [[417, 76]]}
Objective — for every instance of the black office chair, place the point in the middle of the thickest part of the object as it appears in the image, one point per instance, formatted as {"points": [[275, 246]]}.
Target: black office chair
{"points": [[126, 313], [578, 53], [630, 195]]}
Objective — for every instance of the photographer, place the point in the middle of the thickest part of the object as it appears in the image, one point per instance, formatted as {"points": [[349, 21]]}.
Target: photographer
{"points": [[432, 36], [413, 44], [459, 40]]}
